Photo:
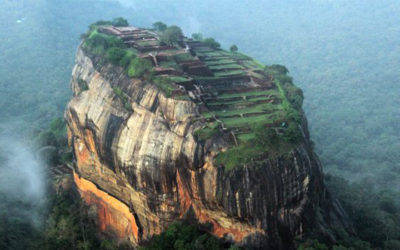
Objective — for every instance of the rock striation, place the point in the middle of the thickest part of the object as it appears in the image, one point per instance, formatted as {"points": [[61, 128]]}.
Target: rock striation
{"points": [[143, 167]]}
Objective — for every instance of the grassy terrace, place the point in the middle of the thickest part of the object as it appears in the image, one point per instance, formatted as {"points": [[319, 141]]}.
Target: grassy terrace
{"points": [[268, 107], [228, 73], [230, 66], [238, 103], [169, 64], [239, 98], [250, 93], [252, 116], [220, 62], [246, 122]]}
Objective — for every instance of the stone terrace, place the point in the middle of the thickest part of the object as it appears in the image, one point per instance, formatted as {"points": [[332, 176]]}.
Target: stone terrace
{"points": [[232, 89]]}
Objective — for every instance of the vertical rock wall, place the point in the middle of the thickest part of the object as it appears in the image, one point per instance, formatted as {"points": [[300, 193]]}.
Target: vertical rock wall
{"points": [[142, 168]]}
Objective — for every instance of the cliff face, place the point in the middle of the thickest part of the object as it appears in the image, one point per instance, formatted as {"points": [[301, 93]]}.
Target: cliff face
{"points": [[141, 167]]}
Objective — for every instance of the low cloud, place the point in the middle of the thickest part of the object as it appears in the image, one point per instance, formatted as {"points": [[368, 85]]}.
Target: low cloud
{"points": [[22, 176]]}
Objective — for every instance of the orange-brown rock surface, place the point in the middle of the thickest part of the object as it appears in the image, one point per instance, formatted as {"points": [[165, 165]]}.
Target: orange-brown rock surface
{"points": [[142, 168]]}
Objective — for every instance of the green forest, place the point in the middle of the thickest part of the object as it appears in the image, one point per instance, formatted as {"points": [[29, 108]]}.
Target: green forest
{"points": [[343, 54]]}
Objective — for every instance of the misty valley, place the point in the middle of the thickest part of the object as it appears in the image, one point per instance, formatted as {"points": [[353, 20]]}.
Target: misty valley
{"points": [[199, 125]]}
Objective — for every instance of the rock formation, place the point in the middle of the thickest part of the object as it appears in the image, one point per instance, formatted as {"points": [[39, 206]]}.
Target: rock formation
{"points": [[141, 162]]}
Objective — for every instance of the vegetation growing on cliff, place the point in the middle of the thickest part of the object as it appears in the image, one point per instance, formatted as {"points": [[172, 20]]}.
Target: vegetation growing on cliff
{"points": [[101, 44], [171, 35], [54, 141], [207, 132], [115, 51], [83, 85], [165, 85], [123, 97], [280, 75], [272, 134]]}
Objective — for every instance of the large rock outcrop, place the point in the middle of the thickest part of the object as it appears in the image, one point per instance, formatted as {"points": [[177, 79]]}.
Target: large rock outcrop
{"points": [[141, 167]]}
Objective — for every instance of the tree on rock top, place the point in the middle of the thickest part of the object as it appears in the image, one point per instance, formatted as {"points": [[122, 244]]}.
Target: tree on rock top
{"points": [[160, 26], [234, 48], [197, 36], [276, 69], [210, 42], [120, 22], [172, 35]]}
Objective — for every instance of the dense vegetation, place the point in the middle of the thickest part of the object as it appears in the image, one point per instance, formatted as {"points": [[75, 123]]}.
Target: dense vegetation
{"points": [[181, 235], [16, 231], [269, 135], [171, 35], [52, 144], [375, 215], [114, 49]]}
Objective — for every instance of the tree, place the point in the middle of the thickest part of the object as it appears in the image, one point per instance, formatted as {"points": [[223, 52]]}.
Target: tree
{"points": [[98, 43], [210, 42], [138, 67], [197, 36], [126, 59], [160, 26], [180, 235], [292, 133], [99, 23], [391, 245], [266, 137], [277, 69], [120, 22], [103, 22], [234, 48], [172, 35], [313, 245], [115, 54]]}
